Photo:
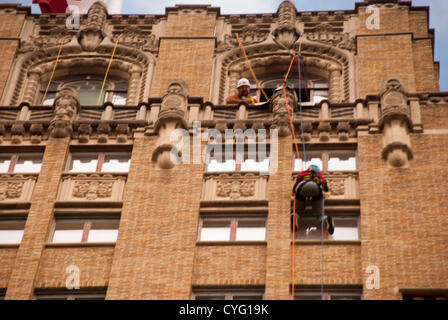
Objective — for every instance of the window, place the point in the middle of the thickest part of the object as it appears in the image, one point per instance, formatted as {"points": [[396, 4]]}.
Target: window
{"points": [[228, 294], [88, 88], [11, 231], [345, 228], [99, 162], [328, 160], [232, 229], [82, 231], [424, 294], [65, 294], [314, 89], [20, 163], [329, 293]]}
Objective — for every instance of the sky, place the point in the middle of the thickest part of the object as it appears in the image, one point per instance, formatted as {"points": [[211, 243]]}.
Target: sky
{"points": [[438, 15]]}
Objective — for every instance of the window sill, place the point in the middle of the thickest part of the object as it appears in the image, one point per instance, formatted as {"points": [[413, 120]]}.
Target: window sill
{"points": [[230, 243], [328, 242], [9, 245], [80, 245]]}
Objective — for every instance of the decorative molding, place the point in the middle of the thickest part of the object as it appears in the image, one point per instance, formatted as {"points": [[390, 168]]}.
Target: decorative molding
{"points": [[328, 34], [16, 187], [134, 36], [91, 190]]}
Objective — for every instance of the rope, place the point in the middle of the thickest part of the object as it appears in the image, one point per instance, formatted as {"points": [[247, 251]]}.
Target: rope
{"points": [[54, 68], [250, 67], [108, 68]]}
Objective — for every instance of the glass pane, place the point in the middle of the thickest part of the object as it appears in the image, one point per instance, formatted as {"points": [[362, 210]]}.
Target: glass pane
{"points": [[5, 161], [251, 231], [346, 229], [102, 235], [342, 160], [251, 165], [83, 163], [49, 98], [67, 236], [28, 163], [215, 231], [119, 98], [309, 229], [248, 297], [116, 163], [300, 165], [10, 236], [215, 166], [210, 297], [88, 91]]}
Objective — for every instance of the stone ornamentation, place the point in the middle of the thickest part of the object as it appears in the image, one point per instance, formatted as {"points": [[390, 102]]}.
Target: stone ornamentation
{"points": [[235, 189], [91, 190], [279, 109], [91, 34], [66, 106], [10, 190]]}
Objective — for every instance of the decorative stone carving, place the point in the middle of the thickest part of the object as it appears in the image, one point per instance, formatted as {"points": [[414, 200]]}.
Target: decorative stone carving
{"points": [[235, 189], [91, 190], [286, 33], [326, 33], [52, 38], [91, 34], [171, 117], [134, 36], [92, 187], [250, 34], [395, 123], [66, 105], [336, 186], [10, 190], [279, 109]]}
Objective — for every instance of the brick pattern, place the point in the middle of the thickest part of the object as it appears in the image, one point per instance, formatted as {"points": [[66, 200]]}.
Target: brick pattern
{"points": [[11, 25], [381, 57], [278, 261], [392, 20], [403, 214], [154, 253], [94, 265], [435, 116], [418, 23], [8, 49], [341, 264], [424, 66], [7, 257], [39, 220], [189, 60], [229, 265], [191, 25]]}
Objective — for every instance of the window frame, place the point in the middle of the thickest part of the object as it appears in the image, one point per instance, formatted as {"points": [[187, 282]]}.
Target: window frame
{"points": [[87, 227], [101, 156], [233, 226], [88, 293], [330, 292], [228, 293], [13, 221], [14, 157], [325, 157]]}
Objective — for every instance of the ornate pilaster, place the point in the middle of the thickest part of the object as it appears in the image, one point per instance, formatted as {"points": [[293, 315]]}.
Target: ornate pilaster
{"points": [[91, 34], [286, 33], [66, 106], [133, 92], [279, 109], [395, 123], [335, 85], [32, 86], [172, 116]]}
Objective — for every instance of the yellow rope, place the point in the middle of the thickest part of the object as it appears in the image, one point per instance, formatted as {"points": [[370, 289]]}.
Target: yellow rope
{"points": [[54, 68], [250, 67], [108, 68]]}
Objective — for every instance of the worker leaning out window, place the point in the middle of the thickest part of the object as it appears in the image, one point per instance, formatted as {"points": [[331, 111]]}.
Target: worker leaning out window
{"points": [[243, 88], [311, 184]]}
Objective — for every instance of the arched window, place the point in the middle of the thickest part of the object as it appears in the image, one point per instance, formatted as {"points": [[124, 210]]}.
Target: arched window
{"points": [[314, 88], [88, 88]]}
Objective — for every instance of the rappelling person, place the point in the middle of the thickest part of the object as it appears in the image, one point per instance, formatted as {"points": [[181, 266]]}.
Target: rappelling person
{"points": [[311, 184], [243, 88]]}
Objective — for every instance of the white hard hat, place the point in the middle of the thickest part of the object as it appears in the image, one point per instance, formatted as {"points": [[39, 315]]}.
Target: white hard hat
{"points": [[243, 82]]}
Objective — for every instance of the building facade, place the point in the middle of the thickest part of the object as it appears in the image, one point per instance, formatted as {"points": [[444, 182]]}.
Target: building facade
{"points": [[93, 206]]}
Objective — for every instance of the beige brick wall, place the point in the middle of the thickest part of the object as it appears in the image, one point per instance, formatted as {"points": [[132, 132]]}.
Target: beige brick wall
{"points": [[93, 262], [425, 79], [189, 60], [381, 57], [7, 257], [392, 20], [37, 228], [229, 265], [156, 243], [435, 116], [191, 25], [403, 212]]}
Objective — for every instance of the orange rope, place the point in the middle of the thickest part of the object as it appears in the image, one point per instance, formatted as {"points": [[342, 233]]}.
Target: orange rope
{"points": [[250, 67]]}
